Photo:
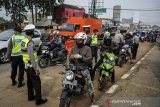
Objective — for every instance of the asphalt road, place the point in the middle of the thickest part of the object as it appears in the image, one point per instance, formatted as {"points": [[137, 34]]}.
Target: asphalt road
{"points": [[51, 85], [141, 88]]}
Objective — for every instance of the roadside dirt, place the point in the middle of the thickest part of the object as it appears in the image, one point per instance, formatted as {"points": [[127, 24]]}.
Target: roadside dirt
{"points": [[52, 84]]}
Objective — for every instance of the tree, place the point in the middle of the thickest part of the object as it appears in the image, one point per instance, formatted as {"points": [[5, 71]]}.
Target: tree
{"points": [[16, 8]]}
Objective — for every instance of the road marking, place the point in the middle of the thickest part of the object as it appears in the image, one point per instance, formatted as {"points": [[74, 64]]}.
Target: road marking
{"points": [[112, 89], [145, 56], [133, 68], [142, 58], [139, 62], [125, 76], [147, 53], [94, 106], [157, 89]]}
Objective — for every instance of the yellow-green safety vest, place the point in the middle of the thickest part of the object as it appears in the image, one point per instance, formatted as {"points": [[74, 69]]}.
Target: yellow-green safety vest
{"points": [[16, 43], [25, 54], [94, 40]]}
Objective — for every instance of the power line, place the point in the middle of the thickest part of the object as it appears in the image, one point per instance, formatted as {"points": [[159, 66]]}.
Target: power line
{"points": [[155, 9]]}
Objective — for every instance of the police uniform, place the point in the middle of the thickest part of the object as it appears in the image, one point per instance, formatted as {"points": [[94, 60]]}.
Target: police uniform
{"points": [[16, 57], [33, 81], [94, 46], [30, 59]]}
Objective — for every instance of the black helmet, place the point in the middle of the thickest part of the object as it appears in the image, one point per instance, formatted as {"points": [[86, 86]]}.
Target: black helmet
{"points": [[107, 40], [95, 30], [18, 29]]}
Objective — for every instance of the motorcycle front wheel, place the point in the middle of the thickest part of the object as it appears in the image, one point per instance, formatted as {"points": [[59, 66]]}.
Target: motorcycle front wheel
{"points": [[43, 62], [65, 101], [102, 83], [120, 62]]}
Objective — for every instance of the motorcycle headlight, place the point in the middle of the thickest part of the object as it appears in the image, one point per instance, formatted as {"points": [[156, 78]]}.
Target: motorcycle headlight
{"points": [[45, 51], [123, 50], [70, 76]]}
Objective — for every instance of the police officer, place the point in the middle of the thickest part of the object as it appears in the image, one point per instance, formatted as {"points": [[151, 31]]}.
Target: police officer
{"points": [[135, 40], [14, 49], [31, 67], [106, 32], [94, 44]]}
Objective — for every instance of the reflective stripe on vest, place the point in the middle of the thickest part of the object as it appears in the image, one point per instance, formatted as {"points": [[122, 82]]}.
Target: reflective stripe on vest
{"points": [[16, 43], [94, 40], [25, 54]]}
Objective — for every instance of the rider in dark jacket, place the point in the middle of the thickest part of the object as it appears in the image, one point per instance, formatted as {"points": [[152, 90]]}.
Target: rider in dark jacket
{"points": [[107, 46]]}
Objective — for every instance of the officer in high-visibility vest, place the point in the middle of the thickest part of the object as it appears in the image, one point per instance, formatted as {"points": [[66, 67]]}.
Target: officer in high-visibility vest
{"points": [[94, 44], [31, 67], [14, 50], [106, 33]]}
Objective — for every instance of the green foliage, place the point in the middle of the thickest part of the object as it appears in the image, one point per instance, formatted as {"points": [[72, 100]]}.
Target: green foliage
{"points": [[18, 8]]}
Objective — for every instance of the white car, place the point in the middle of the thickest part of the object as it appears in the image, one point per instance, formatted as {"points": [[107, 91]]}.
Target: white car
{"points": [[7, 34]]}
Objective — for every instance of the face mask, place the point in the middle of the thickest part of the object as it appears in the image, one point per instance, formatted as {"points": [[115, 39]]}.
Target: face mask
{"points": [[80, 45]]}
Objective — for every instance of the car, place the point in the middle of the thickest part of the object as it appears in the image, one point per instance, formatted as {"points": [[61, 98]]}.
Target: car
{"points": [[7, 34]]}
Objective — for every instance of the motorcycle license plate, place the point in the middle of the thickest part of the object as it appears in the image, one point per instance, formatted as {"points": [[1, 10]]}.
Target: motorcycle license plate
{"points": [[69, 82]]}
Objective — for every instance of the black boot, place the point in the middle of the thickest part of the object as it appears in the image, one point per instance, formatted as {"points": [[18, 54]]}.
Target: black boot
{"points": [[31, 98], [14, 82], [113, 77], [21, 84], [41, 101]]}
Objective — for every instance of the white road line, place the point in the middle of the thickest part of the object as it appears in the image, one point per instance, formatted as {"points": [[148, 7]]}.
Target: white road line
{"points": [[157, 89], [139, 62], [94, 106], [145, 56], [112, 89], [142, 58], [125, 76], [133, 68]]}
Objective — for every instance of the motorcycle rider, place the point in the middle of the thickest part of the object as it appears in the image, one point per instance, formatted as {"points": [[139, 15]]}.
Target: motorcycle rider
{"points": [[88, 43], [57, 41], [128, 41], [107, 46], [31, 67], [81, 56]]}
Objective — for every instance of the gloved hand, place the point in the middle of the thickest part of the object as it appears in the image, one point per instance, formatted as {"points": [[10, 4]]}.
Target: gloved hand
{"points": [[77, 56]]}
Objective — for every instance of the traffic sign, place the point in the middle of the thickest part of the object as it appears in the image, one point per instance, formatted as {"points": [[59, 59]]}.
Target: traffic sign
{"points": [[101, 10]]}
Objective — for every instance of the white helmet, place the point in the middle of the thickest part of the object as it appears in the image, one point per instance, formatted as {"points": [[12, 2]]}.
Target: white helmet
{"points": [[56, 32], [29, 27], [82, 36]]}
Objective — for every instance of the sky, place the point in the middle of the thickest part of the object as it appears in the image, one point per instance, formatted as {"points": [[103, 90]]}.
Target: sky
{"points": [[149, 17]]}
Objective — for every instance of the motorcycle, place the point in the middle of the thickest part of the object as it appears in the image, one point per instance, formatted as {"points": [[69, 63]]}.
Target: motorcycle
{"points": [[50, 56], [73, 84], [106, 69], [122, 57]]}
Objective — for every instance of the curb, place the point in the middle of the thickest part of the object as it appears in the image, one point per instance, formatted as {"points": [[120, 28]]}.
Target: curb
{"points": [[113, 88]]}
